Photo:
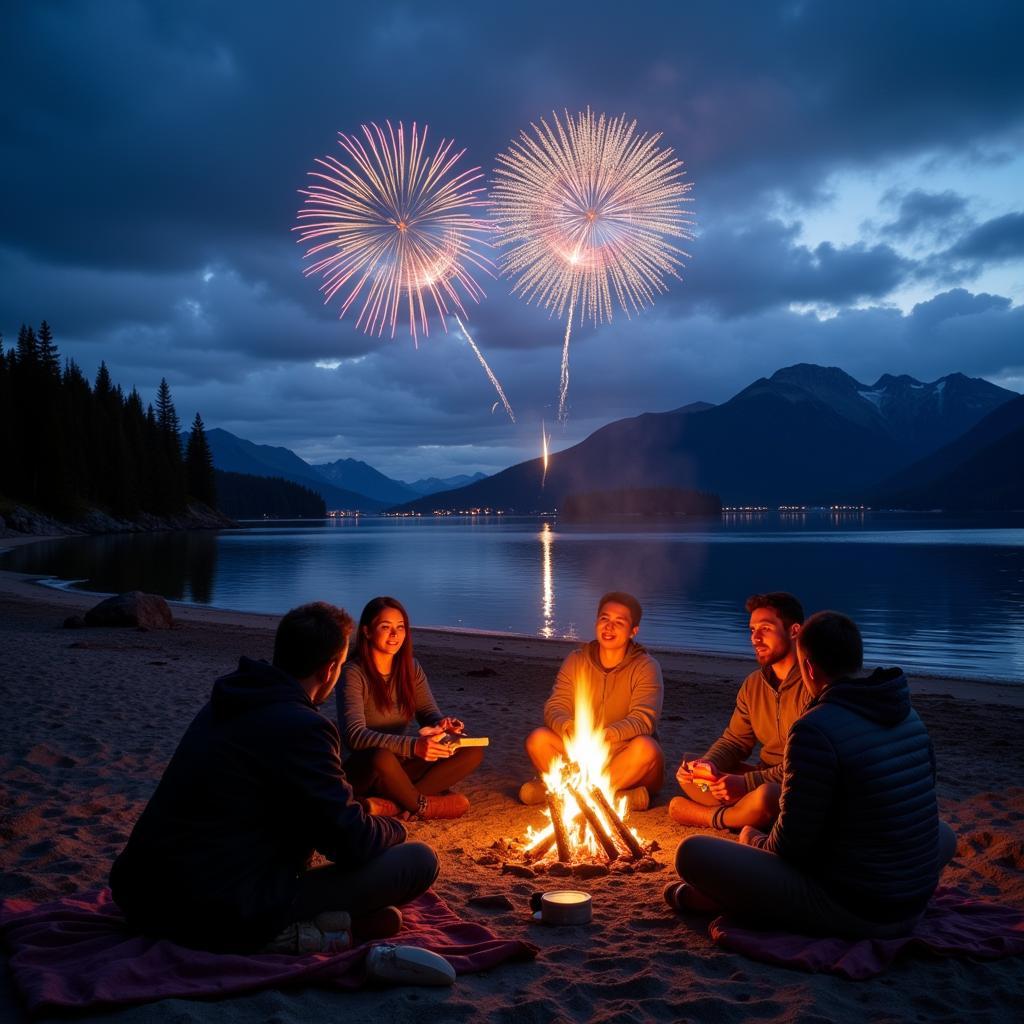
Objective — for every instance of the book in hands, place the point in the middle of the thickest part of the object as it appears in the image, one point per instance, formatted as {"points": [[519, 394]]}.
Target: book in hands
{"points": [[456, 740]]}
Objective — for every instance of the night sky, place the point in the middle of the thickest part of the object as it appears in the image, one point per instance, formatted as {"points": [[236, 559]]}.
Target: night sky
{"points": [[857, 174]]}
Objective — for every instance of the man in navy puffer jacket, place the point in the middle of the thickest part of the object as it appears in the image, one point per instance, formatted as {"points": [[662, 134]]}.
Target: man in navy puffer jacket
{"points": [[858, 846]]}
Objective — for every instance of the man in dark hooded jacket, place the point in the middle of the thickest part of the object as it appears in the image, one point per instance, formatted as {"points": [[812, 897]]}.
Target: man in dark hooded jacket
{"points": [[218, 858], [858, 845]]}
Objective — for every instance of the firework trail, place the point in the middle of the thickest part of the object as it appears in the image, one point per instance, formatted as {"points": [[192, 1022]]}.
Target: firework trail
{"points": [[544, 438], [587, 210], [490, 373]]}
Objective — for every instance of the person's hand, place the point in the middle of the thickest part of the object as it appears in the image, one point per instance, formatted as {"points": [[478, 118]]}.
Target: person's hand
{"points": [[453, 725], [727, 789], [684, 776], [749, 835], [431, 730], [429, 748]]}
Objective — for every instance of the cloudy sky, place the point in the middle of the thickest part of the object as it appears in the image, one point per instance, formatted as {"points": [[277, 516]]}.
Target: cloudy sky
{"points": [[857, 176]]}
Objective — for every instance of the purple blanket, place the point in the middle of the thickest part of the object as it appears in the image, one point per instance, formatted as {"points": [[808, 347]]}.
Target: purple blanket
{"points": [[79, 953], [953, 925]]}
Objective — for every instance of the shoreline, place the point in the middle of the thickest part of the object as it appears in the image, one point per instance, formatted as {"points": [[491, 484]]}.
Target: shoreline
{"points": [[92, 717], [701, 663]]}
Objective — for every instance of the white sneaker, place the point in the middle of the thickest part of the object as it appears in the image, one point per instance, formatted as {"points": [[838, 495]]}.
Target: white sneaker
{"points": [[408, 965]]}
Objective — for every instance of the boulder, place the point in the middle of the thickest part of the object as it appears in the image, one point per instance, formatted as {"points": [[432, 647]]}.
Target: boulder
{"points": [[146, 611]]}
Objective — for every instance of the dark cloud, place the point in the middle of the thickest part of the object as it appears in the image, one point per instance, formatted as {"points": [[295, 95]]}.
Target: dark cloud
{"points": [[761, 265], [151, 153], [996, 241], [919, 210]]}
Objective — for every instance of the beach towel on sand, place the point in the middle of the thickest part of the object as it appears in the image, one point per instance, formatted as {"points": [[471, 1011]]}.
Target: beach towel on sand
{"points": [[79, 953], [952, 925]]}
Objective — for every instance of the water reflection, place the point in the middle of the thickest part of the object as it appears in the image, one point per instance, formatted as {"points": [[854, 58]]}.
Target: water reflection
{"points": [[180, 565], [941, 593], [547, 600]]}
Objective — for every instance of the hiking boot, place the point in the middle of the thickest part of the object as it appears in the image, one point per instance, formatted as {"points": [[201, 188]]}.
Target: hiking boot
{"points": [[453, 805], [637, 798], [378, 805], [408, 965], [533, 792], [378, 924], [328, 932]]}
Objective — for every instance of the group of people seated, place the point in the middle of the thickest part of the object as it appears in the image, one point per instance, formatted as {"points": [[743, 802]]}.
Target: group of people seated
{"points": [[838, 822]]}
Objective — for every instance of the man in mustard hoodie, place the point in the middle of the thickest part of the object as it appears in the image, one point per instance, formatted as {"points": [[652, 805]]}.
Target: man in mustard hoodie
{"points": [[721, 789], [626, 692]]}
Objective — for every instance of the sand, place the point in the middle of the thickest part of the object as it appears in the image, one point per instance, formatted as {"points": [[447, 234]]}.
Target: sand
{"points": [[90, 718]]}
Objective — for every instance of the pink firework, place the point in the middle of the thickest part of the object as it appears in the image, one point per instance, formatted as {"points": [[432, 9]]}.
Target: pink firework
{"points": [[394, 230]]}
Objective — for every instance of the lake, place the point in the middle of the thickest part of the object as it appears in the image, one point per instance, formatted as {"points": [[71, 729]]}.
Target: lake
{"points": [[933, 593]]}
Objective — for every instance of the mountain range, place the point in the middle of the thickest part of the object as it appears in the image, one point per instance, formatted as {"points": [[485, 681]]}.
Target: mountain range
{"points": [[343, 484], [806, 435]]}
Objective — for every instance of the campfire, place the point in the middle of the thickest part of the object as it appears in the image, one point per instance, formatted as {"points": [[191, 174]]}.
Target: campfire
{"points": [[584, 826]]}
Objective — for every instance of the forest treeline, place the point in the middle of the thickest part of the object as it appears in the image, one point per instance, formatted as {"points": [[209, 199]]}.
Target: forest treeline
{"points": [[242, 495], [68, 444]]}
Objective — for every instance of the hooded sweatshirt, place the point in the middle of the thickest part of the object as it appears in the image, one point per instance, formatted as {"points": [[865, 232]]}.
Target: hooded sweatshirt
{"points": [[253, 789], [765, 709], [626, 699], [858, 809]]}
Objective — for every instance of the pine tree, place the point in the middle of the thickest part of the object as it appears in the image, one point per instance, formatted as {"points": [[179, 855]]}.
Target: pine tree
{"points": [[55, 488], [171, 467], [103, 386], [199, 473], [49, 358], [166, 415], [28, 348], [7, 434]]}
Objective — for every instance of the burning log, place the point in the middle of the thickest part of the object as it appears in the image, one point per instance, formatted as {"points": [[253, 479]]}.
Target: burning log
{"points": [[558, 825], [537, 852], [635, 849], [606, 841]]}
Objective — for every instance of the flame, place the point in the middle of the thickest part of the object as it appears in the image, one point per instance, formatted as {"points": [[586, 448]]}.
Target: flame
{"points": [[544, 438], [585, 767]]}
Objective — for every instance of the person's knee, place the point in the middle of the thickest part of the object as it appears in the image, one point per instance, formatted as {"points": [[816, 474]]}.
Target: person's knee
{"points": [[382, 760], [764, 804], [694, 853], [541, 745], [646, 755], [470, 757], [645, 750], [422, 861]]}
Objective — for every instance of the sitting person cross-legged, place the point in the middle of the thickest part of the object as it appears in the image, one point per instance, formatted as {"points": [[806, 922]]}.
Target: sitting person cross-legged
{"points": [[721, 790], [218, 860], [383, 688], [858, 846], [626, 691]]}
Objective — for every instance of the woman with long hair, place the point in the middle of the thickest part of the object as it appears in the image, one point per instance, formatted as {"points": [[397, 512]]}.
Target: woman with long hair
{"points": [[392, 770]]}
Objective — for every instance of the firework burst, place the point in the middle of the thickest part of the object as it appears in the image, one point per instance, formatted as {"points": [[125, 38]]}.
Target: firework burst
{"points": [[587, 210], [394, 231]]}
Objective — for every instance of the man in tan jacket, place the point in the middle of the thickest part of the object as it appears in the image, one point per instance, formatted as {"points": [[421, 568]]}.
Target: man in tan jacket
{"points": [[721, 790], [626, 692]]}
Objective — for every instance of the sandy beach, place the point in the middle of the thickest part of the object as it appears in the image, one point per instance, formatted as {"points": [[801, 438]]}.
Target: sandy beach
{"points": [[91, 717]]}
